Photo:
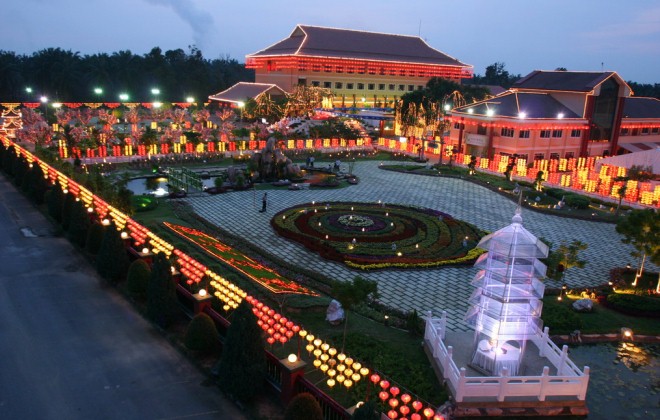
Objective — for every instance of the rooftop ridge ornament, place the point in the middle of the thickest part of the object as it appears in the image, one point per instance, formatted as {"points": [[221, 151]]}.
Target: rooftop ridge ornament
{"points": [[517, 217]]}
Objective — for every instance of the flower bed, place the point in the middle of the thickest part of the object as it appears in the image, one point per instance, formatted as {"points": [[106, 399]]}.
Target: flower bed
{"points": [[263, 275], [375, 235]]}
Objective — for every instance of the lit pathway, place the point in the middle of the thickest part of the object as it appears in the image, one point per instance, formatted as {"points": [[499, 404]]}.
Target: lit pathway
{"points": [[435, 289]]}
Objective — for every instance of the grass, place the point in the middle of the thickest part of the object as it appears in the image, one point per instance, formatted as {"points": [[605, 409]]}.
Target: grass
{"points": [[603, 320]]}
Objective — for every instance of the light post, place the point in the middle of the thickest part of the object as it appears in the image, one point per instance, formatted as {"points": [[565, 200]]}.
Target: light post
{"points": [[98, 91], [28, 92], [44, 101], [241, 105]]}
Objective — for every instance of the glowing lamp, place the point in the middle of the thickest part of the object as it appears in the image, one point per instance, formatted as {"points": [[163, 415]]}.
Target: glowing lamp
{"points": [[105, 222], [348, 383], [317, 352], [364, 371], [283, 339], [341, 378], [417, 405], [309, 348], [331, 372], [383, 395], [90, 209], [428, 412], [310, 338], [395, 391], [331, 382], [355, 377], [384, 384], [292, 358], [324, 367], [415, 416], [317, 363], [332, 351], [302, 333], [404, 410], [270, 340], [357, 366], [341, 368], [317, 342], [145, 250], [392, 414], [202, 292], [124, 235], [374, 378], [393, 402], [341, 357], [405, 398]]}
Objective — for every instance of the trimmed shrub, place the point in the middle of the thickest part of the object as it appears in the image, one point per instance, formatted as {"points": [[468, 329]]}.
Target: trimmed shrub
{"points": [[560, 319], [94, 238], [54, 199], [112, 260], [634, 304], [577, 201], [78, 224], [67, 207], [303, 407], [161, 293], [137, 279], [38, 185], [242, 367], [366, 411], [202, 335]]}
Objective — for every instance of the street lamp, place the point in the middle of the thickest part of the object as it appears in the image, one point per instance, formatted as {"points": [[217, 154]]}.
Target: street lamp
{"points": [[190, 99], [155, 91], [123, 97]]}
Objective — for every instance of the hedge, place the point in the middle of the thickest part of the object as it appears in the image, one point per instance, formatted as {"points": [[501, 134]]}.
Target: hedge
{"points": [[634, 304]]}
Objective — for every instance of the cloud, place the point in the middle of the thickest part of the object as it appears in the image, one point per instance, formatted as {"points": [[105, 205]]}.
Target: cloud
{"points": [[200, 21], [633, 34]]}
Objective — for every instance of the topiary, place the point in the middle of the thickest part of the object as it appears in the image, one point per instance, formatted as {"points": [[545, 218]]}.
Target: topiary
{"points": [[577, 201], [366, 411], [202, 335], [303, 407], [242, 366], [161, 293], [54, 198], [78, 224], [137, 279], [67, 206], [94, 238], [112, 260]]}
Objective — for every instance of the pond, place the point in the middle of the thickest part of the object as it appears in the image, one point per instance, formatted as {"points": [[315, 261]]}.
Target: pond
{"points": [[625, 379], [157, 185]]}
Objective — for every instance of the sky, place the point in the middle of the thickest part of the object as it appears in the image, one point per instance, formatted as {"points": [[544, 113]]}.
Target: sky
{"points": [[526, 35]]}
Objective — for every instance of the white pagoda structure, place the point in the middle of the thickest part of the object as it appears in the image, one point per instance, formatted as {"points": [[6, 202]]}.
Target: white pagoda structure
{"points": [[507, 301]]}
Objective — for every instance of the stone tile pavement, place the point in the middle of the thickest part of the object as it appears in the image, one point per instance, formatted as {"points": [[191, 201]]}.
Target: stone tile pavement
{"points": [[432, 289]]}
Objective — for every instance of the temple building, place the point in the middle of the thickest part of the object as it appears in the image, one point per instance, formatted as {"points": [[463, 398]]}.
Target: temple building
{"points": [[359, 68], [558, 114]]}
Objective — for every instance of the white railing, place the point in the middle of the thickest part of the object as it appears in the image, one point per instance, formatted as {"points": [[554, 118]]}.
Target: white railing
{"points": [[569, 381]]}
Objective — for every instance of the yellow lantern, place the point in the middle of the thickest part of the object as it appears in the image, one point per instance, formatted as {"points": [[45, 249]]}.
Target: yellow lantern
{"points": [[317, 342], [341, 357], [341, 378], [324, 367], [332, 351], [348, 383], [341, 368], [331, 372], [317, 363], [317, 352], [355, 377], [349, 361], [331, 382], [309, 348]]}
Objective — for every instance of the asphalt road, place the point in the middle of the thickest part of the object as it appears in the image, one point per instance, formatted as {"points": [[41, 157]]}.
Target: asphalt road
{"points": [[72, 348]]}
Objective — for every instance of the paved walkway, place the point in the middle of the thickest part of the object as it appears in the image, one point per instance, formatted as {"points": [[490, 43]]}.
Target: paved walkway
{"points": [[432, 289]]}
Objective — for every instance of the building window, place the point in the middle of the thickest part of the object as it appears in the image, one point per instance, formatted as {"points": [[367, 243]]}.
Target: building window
{"points": [[316, 83], [371, 86], [507, 132], [570, 155], [420, 87], [402, 87], [391, 87], [339, 85], [411, 88], [327, 85], [635, 132], [481, 129], [524, 157], [539, 156], [360, 86], [349, 85], [545, 134], [645, 131], [556, 133], [625, 131], [381, 86], [576, 133], [523, 134], [554, 155], [654, 130], [457, 126]]}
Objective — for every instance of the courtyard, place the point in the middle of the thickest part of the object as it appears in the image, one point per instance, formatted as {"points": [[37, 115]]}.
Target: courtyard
{"points": [[434, 289]]}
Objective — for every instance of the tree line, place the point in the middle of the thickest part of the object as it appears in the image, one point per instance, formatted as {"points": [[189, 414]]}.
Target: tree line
{"points": [[67, 76]]}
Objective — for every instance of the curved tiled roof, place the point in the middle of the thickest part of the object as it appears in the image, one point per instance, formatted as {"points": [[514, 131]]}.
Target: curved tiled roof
{"points": [[572, 81], [641, 107], [511, 104], [316, 41], [244, 90]]}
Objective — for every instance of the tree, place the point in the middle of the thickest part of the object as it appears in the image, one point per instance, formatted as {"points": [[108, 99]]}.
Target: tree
{"points": [[242, 366], [566, 256], [94, 238], [640, 229], [303, 407], [54, 200], [112, 261], [78, 223], [538, 181], [621, 192], [161, 293], [352, 293]]}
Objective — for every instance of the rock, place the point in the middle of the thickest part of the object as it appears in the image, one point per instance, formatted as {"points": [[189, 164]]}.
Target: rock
{"points": [[335, 313], [583, 305]]}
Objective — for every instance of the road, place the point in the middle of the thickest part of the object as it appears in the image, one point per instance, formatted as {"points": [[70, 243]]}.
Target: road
{"points": [[71, 347]]}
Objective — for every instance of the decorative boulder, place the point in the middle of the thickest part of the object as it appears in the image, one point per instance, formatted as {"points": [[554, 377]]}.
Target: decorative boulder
{"points": [[335, 313], [583, 305]]}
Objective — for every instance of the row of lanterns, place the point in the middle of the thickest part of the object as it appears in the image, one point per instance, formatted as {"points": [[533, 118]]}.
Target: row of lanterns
{"points": [[279, 328], [230, 294]]}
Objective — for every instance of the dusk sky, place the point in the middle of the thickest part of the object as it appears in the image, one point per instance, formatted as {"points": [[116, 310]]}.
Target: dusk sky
{"points": [[586, 35]]}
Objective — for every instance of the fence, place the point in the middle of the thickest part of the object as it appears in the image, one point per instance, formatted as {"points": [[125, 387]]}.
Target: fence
{"points": [[569, 382]]}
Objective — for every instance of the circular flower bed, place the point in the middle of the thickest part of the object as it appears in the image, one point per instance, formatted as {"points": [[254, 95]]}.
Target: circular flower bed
{"points": [[377, 235]]}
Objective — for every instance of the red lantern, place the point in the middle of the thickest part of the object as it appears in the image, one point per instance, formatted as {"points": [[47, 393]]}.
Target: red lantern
{"points": [[404, 410], [415, 416], [383, 395], [289, 334], [406, 398], [384, 384], [374, 378], [295, 328], [270, 340], [283, 339], [439, 417], [417, 405], [270, 331], [277, 336], [393, 402], [288, 324], [392, 414], [395, 391], [283, 320], [428, 412], [276, 316]]}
